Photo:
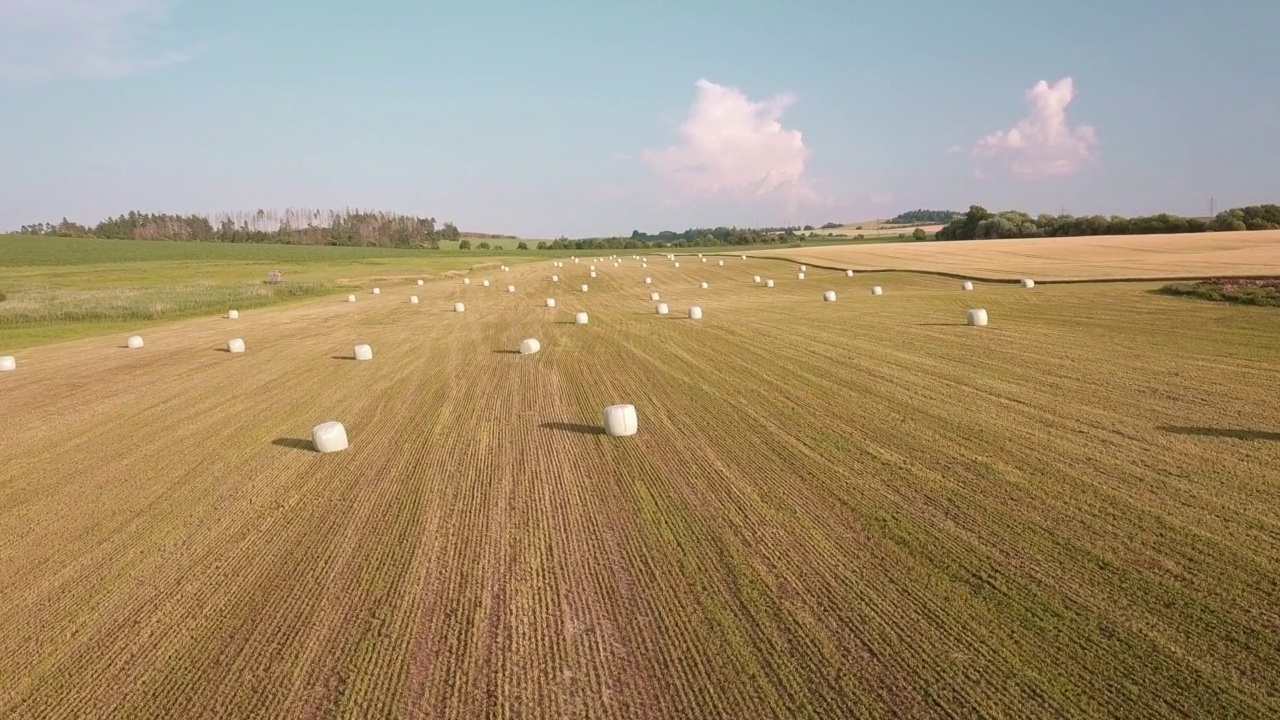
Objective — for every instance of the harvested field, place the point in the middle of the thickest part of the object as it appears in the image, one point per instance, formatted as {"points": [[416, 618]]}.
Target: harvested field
{"points": [[1045, 259], [831, 510]]}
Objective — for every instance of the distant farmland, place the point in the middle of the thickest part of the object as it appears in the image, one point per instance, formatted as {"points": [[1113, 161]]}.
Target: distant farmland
{"points": [[832, 510]]}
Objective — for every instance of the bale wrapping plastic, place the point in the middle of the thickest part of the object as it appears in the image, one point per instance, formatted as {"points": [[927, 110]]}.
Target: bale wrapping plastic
{"points": [[662, 308], [1028, 283], [529, 346], [620, 420], [362, 352], [235, 345], [329, 437], [233, 314], [695, 313], [135, 341], [580, 318], [978, 317], [829, 296], [967, 285], [8, 364]]}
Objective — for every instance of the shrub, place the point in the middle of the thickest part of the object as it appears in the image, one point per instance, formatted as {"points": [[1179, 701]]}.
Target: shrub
{"points": [[522, 245], [464, 245]]}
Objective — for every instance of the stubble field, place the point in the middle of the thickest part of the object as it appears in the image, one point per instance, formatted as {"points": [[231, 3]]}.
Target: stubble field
{"points": [[851, 509], [1080, 258]]}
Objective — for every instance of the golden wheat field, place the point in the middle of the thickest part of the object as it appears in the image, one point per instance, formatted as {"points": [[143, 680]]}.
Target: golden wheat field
{"points": [[1083, 258], [831, 510]]}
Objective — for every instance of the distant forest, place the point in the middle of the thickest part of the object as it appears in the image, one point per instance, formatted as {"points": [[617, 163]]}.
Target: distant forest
{"points": [[925, 217], [979, 223]]}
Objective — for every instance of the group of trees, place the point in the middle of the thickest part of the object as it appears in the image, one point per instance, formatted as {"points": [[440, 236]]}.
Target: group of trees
{"points": [[294, 227], [924, 217], [979, 223]]}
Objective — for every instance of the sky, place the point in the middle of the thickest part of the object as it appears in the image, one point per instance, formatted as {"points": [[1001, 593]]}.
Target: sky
{"points": [[589, 119]]}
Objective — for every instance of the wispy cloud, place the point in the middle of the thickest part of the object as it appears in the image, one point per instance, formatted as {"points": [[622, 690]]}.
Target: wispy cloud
{"points": [[43, 40], [733, 147], [1042, 143]]}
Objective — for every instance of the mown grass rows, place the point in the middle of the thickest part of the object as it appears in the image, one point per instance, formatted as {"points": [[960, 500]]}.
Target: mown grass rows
{"points": [[830, 510]]}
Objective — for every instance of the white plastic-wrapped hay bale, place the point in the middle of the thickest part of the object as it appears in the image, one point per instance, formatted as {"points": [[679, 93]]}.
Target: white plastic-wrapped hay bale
{"points": [[768, 283], [1028, 283], [877, 290], [695, 313], [484, 283], [966, 285], [615, 264], [848, 273], [592, 268], [420, 282], [744, 257], [755, 278], [575, 261], [233, 314], [620, 420], [529, 346], [654, 297], [662, 308], [677, 264], [720, 263], [829, 296], [362, 352], [593, 273], [511, 288], [413, 299], [459, 307], [8, 364], [799, 276], [329, 437], [644, 265], [699, 254], [377, 291], [135, 341], [978, 317], [555, 278], [551, 302], [579, 318], [584, 287], [704, 259], [351, 298], [803, 268], [703, 285], [466, 281], [648, 281], [235, 345]]}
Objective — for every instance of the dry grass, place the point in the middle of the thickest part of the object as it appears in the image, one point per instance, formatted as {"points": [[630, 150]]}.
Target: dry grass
{"points": [[1085, 258], [874, 228], [850, 509]]}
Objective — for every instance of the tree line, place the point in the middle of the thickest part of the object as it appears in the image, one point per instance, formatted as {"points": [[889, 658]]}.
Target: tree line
{"points": [[924, 217], [980, 223]]}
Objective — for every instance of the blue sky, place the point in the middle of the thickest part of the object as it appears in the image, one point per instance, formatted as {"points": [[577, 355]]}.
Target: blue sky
{"points": [[578, 118]]}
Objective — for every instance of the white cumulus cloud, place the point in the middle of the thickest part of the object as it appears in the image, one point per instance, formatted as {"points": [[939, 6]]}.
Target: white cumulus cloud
{"points": [[1042, 143], [736, 148], [98, 39]]}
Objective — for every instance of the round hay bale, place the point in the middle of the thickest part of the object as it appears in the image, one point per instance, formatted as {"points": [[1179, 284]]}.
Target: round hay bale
{"points": [[529, 346], [768, 283], [555, 278], [593, 273], [420, 282], [551, 302], [803, 268], [233, 314], [966, 285], [466, 281], [511, 288], [579, 318], [799, 276], [592, 268], [977, 317], [351, 298], [584, 287], [235, 345], [695, 313], [459, 307], [662, 308], [877, 290], [377, 291], [677, 264], [329, 437], [829, 296], [704, 259], [8, 364], [744, 257], [135, 341], [648, 281], [1028, 283], [644, 265], [720, 263], [620, 420], [755, 278], [848, 273], [413, 299], [362, 352], [654, 297], [703, 285], [484, 283]]}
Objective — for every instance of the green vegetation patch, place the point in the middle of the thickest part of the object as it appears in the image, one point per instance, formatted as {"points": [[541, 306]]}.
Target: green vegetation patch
{"points": [[1262, 291]]}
